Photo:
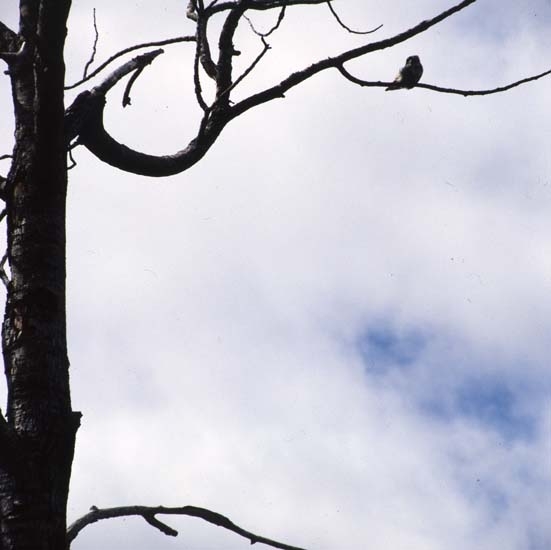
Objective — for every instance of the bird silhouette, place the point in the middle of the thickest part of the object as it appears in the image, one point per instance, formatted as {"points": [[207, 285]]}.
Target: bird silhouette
{"points": [[409, 74]]}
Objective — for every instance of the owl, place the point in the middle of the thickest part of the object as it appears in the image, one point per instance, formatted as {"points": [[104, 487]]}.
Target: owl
{"points": [[409, 74]]}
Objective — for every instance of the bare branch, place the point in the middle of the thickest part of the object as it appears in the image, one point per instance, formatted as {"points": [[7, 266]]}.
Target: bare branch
{"points": [[89, 106], [84, 119], [163, 527], [197, 77], [128, 50], [12, 58], [138, 63], [126, 96], [250, 68], [191, 10], [226, 49], [203, 48], [94, 47], [465, 93], [280, 18], [334, 62], [260, 4], [9, 40], [149, 513], [340, 22]]}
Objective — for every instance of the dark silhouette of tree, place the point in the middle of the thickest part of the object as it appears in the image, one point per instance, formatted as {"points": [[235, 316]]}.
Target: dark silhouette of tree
{"points": [[37, 431]]}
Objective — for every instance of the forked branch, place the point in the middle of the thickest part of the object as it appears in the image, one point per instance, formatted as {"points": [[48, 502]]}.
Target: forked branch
{"points": [[149, 513]]}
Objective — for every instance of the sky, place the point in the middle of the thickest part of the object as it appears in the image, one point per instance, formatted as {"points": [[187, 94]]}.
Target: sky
{"points": [[334, 329]]}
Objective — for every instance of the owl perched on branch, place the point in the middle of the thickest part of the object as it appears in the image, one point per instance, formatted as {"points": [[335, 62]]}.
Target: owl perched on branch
{"points": [[409, 74]]}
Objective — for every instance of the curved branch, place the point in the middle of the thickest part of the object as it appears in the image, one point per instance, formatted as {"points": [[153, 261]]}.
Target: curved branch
{"points": [[149, 513], [128, 50], [298, 77], [84, 119], [465, 93], [274, 28], [341, 23], [96, 139]]}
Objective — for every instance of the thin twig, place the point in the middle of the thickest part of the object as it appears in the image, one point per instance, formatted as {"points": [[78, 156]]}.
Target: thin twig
{"points": [[149, 513], [465, 93], [131, 49], [126, 96], [137, 63], [94, 47], [250, 68], [163, 527], [340, 22], [274, 28]]}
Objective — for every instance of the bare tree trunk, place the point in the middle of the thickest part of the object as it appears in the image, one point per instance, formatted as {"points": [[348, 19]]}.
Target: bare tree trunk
{"points": [[34, 483]]}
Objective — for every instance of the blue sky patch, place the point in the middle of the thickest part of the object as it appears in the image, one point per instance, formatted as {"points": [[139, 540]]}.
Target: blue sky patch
{"points": [[493, 403], [383, 348], [453, 392], [488, 401]]}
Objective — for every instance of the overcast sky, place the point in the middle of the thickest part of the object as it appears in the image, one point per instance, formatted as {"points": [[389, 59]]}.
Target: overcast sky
{"points": [[335, 329]]}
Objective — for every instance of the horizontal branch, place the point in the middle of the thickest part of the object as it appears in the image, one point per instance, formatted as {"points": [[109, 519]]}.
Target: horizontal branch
{"points": [[334, 62], [465, 93], [149, 512], [261, 5]]}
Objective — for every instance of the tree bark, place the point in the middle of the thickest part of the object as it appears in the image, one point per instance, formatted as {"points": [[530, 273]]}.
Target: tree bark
{"points": [[40, 423]]}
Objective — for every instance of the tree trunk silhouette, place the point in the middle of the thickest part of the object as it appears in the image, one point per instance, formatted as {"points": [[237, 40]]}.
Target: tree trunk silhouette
{"points": [[34, 480]]}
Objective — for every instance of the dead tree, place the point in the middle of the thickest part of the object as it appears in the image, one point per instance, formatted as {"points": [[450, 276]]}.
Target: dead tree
{"points": [[38, 429]]}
